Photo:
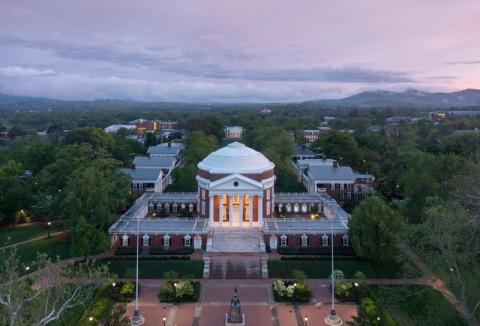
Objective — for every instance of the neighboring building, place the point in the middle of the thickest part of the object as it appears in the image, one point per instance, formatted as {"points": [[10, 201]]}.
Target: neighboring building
{"points": [[235, 210], [444, 115], [166, 149], [312, 135], [327, 176], [266, 111], [165, 163], [396, 120], [302, 152], [234, 132], [144, 125], [147, 179], [116, 128]]}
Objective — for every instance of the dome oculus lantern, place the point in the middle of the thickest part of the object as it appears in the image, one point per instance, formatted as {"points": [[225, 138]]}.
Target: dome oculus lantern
{"points": [[236, 158]]}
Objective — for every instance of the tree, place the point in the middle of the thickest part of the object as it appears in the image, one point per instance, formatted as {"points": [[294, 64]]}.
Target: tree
{"points": [[373, 229], [95, 192], [15, 193], [150, 139], [86, 239], [198, 145], [47, 294], [449, 243], [206, 123], [340, 146], [96, 137]]}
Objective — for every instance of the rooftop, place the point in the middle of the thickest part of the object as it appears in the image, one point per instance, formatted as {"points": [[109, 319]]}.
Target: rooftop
{"points": [[165, 149], [236, 158], [331, 173], [302, 150], [304, 225], [148, 174], [154, 162], [163, 225]]}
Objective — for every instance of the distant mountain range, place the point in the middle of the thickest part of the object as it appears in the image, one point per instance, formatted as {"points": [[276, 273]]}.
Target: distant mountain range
{"points": [[408, 99], [368, 99]]}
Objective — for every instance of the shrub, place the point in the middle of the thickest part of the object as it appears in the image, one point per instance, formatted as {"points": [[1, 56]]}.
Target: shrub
{"points": [[180, 291], [171, 251], [324, 251], [127, 289], [293, 291], [99, 310], [154, 268]]}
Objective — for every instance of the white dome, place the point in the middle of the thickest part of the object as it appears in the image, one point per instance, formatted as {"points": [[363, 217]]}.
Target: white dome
{"points": [[236, 158]]}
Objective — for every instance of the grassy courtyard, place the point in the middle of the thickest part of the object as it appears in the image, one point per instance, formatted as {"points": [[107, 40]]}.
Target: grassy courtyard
{"points": [[154, 268], [11, 235], [417, 305], [321, 268]]}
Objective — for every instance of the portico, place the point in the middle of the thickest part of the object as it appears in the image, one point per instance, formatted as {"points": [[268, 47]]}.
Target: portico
{"points": [[236, 210]]}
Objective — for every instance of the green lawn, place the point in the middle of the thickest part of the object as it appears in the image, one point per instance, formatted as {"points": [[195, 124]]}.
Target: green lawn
{"points": [[322, 269], [125, 268], [53, 247], [21, 233], [417, 305]]}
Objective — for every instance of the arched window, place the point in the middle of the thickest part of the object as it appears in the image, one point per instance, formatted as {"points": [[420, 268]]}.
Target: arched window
{"points": [[167, 207], [190, 208], [284, 241], [325, 240], [166, 240], [175, 208], [159, 207], [146, 240], [289, 208], [304, 239], [182, 206], [187, 240], [304, 208], [296, 208]]}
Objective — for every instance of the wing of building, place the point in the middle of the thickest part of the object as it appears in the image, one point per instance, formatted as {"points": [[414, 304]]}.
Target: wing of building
{"points": [[235, 209]]}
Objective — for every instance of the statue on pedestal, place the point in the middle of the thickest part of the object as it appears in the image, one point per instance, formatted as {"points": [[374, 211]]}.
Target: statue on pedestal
{"points": [[235, 316]]}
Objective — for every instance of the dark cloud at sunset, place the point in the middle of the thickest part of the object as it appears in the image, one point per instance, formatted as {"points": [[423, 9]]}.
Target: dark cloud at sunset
{"points": [[239, 51]]}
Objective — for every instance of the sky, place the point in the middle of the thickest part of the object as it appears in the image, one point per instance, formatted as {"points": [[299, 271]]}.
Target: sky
{"points": [[236, 51]]}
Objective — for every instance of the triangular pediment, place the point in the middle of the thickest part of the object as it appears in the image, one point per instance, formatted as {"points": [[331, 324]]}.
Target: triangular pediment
{"points": [[236, 182]]}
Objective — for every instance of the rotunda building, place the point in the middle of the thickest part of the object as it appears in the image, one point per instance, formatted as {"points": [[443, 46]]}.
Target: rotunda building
{"points": [[236, 187]]}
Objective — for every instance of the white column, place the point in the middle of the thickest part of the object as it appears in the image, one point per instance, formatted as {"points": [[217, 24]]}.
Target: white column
{"points": [[240, 210], [260, 211], [230, 209], [220, 209], [250, 210], [210, 211]]}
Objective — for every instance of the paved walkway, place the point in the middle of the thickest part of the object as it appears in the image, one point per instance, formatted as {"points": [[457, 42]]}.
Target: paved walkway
{"points": [[257, 304], [52, 235]]}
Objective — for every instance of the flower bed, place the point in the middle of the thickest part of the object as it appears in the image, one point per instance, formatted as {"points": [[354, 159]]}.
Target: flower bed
{"points": [[291, 291], [180, 291]]}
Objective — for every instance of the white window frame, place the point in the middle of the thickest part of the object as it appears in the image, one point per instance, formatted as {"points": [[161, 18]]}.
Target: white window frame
{"points": [[283, 241], [125, 240], [146, 240], [268, 207], [296, 208], [345, 240], [325, 240], [289, 208], [190, 208], [175, 208], [203, 193], [304, 208], [187, 241], [304, 240], [166, 240], [203, 207]]}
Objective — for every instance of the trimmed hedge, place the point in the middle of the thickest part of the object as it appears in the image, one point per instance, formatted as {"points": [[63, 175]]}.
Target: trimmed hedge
{"points": [[326, 251], [321, 268], [320, 258], [127, 251], [151, 258], [154, 268]]}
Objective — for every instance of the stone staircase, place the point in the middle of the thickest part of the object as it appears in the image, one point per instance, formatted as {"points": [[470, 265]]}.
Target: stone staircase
{"points": [[233, 240], [235, 267]]}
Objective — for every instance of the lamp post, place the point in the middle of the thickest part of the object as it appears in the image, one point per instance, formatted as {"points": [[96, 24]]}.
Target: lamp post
{"points": [[164, 321], [306, 321], [113, 290], [333, 319], [137, 318], [356, 292], [48, 228]]}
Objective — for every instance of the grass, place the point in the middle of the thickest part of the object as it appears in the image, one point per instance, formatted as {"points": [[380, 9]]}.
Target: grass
{"points": [[125, 268], [417, 305], [322, 268], [10, 235]]}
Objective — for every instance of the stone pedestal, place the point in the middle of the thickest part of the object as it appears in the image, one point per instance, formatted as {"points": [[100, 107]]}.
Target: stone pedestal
{"points": [[333, 319], [240, 323], [137, 319]]}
